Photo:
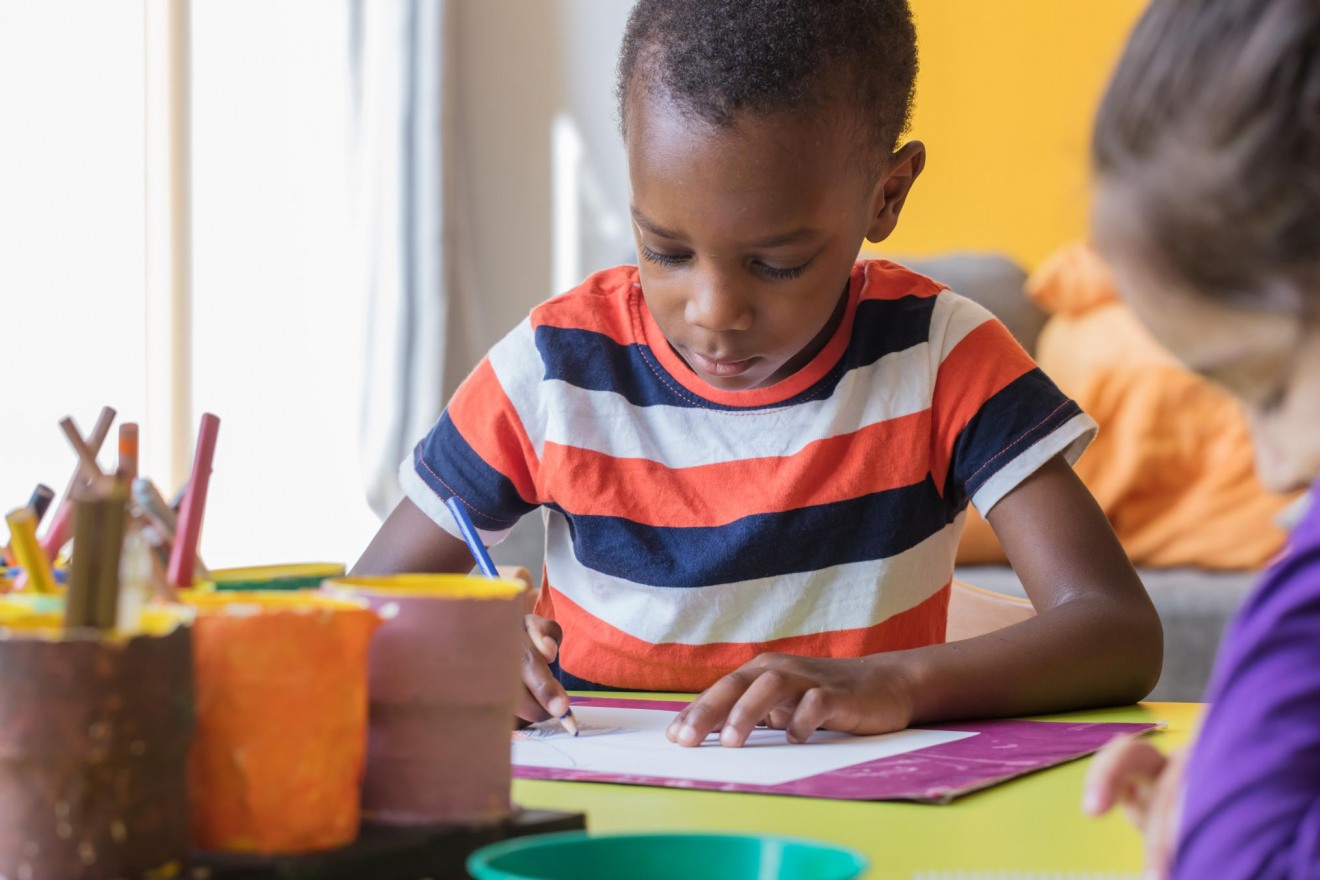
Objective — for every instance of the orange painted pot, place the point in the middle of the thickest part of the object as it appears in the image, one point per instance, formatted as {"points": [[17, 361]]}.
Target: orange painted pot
{"points": [[444, 684], [281, 720], [94, 735]]}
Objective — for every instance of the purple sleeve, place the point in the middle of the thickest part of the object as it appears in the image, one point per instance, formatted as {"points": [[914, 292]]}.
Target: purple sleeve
{"points": [[1252, 806]]}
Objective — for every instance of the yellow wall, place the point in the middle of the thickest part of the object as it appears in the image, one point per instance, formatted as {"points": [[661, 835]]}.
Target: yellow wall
{"points": [[1005, 97]]}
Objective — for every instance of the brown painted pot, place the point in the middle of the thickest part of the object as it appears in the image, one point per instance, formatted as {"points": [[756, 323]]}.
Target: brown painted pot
{"points": [[94, 737], [281, 720], [444, 681]]}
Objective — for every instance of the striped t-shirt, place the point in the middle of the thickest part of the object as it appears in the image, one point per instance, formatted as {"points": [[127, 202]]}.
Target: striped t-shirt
{"points": [[690, 528]]}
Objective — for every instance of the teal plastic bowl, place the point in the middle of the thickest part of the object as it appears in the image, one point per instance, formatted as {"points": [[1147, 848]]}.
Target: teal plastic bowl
{"points": [[577, 855]]}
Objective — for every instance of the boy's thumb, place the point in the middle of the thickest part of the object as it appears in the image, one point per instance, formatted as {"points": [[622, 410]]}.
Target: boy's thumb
{"points": [[540, 630]]}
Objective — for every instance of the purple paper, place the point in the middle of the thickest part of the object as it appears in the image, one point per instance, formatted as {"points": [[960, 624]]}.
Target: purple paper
{"points": [[1001, 751]]}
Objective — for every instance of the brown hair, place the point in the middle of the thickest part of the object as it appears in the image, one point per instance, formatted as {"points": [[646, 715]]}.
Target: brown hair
{"points": [[1210, 134]]}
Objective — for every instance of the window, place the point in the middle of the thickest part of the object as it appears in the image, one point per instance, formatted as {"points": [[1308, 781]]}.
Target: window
{"points": [[274, 348]]}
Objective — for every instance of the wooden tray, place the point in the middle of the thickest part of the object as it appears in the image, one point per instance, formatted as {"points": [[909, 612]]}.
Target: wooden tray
{"points": [[386, 853]]}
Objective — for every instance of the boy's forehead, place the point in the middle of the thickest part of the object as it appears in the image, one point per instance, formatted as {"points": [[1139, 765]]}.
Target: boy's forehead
{"points": [[664, 137], [761, 179]]}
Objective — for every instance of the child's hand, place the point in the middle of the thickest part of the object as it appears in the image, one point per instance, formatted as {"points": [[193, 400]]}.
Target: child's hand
{"points": [[1148, 784], [797, 695], [543, 696]]}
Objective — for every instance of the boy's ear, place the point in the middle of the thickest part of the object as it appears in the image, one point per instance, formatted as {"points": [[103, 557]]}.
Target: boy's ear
{"points": [[892, 189]]}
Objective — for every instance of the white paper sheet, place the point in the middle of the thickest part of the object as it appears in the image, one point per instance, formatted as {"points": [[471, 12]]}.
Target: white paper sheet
{"points": [[632, 742]]}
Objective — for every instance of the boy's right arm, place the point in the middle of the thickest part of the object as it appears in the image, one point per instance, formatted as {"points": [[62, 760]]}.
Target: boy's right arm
{"points": [[409, 541]]}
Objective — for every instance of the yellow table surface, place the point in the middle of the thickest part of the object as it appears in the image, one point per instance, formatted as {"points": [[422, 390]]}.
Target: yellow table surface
{"points": [[1032, 825]]}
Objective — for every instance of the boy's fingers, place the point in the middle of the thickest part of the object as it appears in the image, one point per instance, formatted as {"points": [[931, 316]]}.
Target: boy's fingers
{"points": [[771, 688], [780, 717], [543, 696], [1117, 773], [545, 635], [709, 711], [816, 708], [529, 710]]}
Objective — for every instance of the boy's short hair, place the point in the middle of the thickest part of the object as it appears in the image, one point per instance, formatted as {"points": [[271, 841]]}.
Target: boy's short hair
{"points": [[718, 58]]}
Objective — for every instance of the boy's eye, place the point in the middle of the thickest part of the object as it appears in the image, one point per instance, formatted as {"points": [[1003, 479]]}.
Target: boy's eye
{"points": [[773, 272], [662, 259], [783, 274]]}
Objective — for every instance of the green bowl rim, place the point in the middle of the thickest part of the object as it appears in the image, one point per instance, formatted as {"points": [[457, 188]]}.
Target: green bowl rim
{"points": [[482, 856]]}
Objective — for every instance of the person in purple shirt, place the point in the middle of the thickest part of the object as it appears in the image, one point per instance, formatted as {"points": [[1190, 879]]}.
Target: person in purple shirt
{"points": [[1207, 164]]}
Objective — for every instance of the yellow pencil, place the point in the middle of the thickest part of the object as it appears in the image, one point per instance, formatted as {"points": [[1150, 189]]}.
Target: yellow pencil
{"points": [[23, 538]]}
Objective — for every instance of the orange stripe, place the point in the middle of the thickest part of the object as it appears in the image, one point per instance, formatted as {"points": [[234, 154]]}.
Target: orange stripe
{"points": [[882, 456], [886, 280], [599, 304], [485, 416], [981, 365], [595, 651]]}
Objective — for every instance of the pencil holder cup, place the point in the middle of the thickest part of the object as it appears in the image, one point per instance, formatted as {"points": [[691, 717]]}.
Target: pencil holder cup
{"points": [[94, 736], [17, 605], [281, 720], [444, 681], [301, 576]]}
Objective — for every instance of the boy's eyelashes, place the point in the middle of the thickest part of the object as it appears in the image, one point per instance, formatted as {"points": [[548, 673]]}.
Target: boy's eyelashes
{"points": [[773, 272], [662, 259]]}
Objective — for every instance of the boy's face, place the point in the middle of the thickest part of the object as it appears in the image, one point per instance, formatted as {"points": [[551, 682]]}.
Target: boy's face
{"points": [[1269, 361], [746, 235]]}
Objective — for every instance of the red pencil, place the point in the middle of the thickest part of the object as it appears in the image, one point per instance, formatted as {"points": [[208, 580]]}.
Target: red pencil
{"points": [[128, 450], [183, 558]]}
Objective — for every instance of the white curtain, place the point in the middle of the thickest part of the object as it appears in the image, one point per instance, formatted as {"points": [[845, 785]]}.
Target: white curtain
{"points": [[408, 225]]}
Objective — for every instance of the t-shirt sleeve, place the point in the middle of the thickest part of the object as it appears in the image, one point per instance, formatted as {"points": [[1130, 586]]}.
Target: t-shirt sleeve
{"points": [[996, 418], [480, 449]]}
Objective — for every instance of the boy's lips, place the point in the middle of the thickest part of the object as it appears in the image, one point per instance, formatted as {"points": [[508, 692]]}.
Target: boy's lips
{"points": [[722, 367]]}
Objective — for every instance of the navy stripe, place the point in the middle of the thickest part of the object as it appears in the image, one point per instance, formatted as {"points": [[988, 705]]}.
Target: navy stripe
{"points": [[871, 527], [492, 499], [1021, 414], [572, 682], [596, 362], [884, 326]]}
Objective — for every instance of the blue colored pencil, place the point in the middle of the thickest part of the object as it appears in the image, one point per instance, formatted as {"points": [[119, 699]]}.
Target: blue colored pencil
{"points": [[487, 566], [475, 547]]}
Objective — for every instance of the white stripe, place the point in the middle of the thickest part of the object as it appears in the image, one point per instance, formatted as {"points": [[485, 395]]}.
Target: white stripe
{"points": [[1071, 438], [896, 385], [841, 597], [518, 367], [953, 317]]}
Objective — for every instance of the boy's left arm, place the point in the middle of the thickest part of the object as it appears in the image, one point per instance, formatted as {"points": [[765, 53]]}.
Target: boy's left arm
{"points": [[1095, 641]]}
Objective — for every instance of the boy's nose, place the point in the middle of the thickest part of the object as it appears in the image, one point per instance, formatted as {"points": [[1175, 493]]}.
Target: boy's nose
{"points": [[718, 306]]}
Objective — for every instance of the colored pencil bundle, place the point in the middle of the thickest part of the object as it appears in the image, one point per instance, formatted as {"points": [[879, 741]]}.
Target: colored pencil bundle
{"points": [[100, 512], [124, 534]]}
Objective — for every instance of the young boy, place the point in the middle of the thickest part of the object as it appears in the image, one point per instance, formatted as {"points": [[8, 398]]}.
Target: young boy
{"points": [[753, 454]]}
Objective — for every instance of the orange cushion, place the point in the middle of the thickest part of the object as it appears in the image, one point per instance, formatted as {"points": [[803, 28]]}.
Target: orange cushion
{"points": [[1172, 465]]}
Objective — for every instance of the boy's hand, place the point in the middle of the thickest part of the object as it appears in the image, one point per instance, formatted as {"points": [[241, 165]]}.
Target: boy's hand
{"points": [[543, 697], [797, 695], [1148, 784]]}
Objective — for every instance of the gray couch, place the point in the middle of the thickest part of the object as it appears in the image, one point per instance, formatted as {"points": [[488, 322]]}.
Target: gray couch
{"points": [[1194, 605]]}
